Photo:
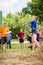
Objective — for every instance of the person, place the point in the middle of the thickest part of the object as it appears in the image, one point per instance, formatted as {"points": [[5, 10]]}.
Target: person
{"points": [[29, 38], [20, 36], [9, 36], [41, 43], [4, 31], [41, 33], [34, 32], [38, 37], [0, 40], [41, 38]]}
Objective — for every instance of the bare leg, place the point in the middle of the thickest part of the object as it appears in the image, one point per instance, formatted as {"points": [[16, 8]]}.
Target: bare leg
{"points": [[21, 45], [35, 42], [41, 50], [0, 46], [6, 46]]}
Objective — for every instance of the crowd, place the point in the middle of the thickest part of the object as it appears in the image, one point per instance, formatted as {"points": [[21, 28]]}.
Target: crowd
{"points": [[35, 39]]}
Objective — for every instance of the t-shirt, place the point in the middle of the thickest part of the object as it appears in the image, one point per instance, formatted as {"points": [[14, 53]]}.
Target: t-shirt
{"points": [[4, 31], [21, 35], [33, 25]]}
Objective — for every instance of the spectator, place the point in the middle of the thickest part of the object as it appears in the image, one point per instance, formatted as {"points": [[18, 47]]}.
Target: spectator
{"points": [[4, 31], [20, 36], [9, 36]]}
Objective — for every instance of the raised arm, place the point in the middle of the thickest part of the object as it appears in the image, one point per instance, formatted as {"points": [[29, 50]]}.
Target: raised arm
{"points": [[26, 23]]}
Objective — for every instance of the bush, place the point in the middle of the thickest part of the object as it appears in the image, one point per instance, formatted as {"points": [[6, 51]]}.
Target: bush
{"points": [[15, 31]]}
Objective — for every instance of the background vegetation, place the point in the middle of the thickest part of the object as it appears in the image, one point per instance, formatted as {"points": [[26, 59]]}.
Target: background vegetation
{"points": [[15, 21]]}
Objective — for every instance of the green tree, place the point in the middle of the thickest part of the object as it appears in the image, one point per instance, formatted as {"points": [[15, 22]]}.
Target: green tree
{"points": [[35, 7], [15, 23]]}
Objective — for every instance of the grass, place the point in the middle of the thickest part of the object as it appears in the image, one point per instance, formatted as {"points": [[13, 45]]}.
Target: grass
{"points": [[16, 48]]}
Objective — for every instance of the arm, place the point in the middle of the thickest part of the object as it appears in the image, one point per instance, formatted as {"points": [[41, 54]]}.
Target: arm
{"points": [[41, 34], [17, 36], [24, 35], [26, 23]]}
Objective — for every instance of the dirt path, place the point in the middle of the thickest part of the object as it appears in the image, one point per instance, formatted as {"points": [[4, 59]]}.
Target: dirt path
{"points": [[20, 59]]}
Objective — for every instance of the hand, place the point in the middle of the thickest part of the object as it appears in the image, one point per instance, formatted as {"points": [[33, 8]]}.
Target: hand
{"points": [[18, 37]]}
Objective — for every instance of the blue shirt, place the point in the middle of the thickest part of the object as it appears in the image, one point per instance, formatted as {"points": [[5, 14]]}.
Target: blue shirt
{"points": [[34, 26]]}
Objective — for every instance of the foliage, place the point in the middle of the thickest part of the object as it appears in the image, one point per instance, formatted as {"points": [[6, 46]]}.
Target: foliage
{"points": [[15, 23], [35, 7]]}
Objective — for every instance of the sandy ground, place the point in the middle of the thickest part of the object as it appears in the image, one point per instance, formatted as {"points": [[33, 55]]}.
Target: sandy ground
{"points": [[20, 59]]}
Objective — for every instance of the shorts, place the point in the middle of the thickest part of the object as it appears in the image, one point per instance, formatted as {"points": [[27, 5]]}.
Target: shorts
{"points": [[4, 40], [34, 32], [29, 39], [21, 40], [0, 41], [38, 39]]}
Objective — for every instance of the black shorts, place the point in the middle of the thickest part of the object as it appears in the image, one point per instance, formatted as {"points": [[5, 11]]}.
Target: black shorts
{"points": [[29, 39], [21, 40], [0, 41], [4, 40]]}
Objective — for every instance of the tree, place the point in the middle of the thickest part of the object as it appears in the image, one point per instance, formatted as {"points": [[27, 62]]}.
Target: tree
{"points": [[35, 7]]}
